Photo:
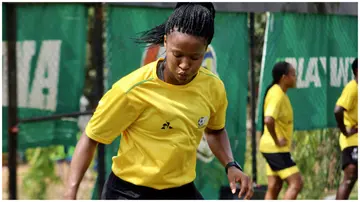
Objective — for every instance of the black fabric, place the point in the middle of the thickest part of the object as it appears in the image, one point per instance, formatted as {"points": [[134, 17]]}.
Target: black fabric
{"points": [[118, 189], [349, 156], [279, 161]]}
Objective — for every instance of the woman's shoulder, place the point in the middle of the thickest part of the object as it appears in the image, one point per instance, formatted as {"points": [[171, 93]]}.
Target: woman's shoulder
{"points": [[275, 93], [211, 77], [137, 77]]}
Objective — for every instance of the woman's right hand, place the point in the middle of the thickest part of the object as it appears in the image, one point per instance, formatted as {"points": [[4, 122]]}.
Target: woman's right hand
{"points": [[351, 131], [281, 142]]}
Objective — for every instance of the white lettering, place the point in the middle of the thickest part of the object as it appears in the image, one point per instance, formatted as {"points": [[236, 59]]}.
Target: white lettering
{"points": [[323, 63], [43, 94], [312, 73], [25, 52], [338, 71]]}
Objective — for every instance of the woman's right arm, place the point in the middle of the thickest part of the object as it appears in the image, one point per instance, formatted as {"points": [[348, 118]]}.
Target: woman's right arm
{"points": [[83, 155], [270, 124], [339, 117], [114, 113]]}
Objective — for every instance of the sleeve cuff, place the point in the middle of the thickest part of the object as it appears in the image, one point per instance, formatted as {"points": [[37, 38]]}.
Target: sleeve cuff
{"points": [[218, 127], [90, 134], [341, 104]]}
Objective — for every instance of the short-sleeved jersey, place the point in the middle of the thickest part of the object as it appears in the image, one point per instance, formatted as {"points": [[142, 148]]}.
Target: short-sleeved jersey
{"points": [[161, 125], [277, 105], [349, 101]]}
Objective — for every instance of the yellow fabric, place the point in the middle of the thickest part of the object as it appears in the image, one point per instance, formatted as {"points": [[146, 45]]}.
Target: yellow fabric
{"points": [[283, 174], [278, 106], [161, 125], [349, 101]]}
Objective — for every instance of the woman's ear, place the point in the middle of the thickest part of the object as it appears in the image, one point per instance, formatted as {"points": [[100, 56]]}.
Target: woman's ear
{"points": [[165, 41], [283, 77]]}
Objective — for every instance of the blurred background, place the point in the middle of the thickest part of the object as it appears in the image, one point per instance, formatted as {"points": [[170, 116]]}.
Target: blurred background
{"points": [[58, 59]]}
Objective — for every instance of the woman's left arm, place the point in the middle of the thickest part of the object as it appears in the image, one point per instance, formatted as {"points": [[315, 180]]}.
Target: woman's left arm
{"points": [[220, 146]]}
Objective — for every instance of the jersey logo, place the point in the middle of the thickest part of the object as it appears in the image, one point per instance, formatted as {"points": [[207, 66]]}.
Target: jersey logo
{"points": [[202, 121], [166, 125]]}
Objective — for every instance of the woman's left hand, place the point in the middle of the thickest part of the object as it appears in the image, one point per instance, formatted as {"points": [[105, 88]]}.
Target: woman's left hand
{"points": [[235, 175]]}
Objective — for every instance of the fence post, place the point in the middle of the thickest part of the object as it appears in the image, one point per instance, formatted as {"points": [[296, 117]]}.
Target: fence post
{"points": [[253, 98], [98, 61], [12, 97]]}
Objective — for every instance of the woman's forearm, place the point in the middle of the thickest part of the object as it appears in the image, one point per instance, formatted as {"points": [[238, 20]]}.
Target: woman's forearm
{"points": [[220, 146], [270, 124], [339, 117], [83, 155]]}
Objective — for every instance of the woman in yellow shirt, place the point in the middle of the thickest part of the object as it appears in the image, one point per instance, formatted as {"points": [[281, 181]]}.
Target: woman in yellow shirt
{"points": [[346, 114], [275, 142], [161, 110]]}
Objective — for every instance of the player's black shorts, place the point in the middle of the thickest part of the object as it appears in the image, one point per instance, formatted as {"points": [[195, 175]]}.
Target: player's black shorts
{"points": [[349, 156], [279, 161], [118, 189]]}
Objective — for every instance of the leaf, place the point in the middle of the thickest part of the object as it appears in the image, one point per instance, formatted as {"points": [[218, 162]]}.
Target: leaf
{"points": [[41, 172]]}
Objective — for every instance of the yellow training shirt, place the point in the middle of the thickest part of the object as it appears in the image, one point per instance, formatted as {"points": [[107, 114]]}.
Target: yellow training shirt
{"points": [[349, 101], [278, 106], [161, 125]]}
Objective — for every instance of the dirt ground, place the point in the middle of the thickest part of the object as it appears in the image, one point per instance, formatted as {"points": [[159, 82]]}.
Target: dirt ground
{"points": [[55, 190]]}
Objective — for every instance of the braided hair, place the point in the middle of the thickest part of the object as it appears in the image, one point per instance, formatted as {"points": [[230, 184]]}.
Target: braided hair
{"points": [[195, 19]]}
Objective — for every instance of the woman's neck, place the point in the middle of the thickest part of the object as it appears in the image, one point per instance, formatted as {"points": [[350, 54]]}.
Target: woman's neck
{"points": [[283, 87]]}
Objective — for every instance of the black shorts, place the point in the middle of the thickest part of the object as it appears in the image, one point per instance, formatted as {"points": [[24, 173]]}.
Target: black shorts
{"points": [[349, 156], [279, 161], [116, 188]]}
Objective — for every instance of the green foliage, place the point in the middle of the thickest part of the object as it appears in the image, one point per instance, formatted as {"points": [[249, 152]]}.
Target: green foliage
{"points": [[41, 172], [259, 26], [318, 156]]}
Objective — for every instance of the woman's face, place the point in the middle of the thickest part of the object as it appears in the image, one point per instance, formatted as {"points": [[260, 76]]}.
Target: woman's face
{"points": [[290, 78], [184, 55]]}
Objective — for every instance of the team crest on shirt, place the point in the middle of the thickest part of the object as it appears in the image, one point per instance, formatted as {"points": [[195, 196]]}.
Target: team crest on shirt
{"points": [[152, 53], [202, 121]]}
